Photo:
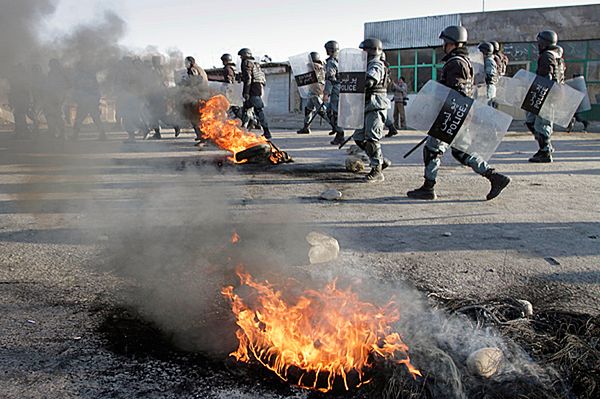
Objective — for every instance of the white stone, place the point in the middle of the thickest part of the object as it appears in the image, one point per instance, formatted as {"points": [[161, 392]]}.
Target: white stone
{"points": [[527, 307], [485, 362], [323, 248], [331, 195]]}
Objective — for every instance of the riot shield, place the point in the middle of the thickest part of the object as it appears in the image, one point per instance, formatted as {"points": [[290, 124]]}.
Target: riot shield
{"points": [[305, 75], [467, 125], [578, 84], [352, 77], [540, 96], [476, 59], [231, 91]]}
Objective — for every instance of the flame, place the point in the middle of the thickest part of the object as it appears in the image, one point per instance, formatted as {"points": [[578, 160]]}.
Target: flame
{"points": [[224, 132], [235, 238], [326, 335]]}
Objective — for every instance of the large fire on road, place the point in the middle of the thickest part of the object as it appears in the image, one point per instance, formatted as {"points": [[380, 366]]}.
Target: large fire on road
{"points": [[318, 339], [227, 133]]}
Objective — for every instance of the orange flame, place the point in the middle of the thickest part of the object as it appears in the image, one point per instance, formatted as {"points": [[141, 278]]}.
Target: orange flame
{"points": [[224, 132], [326, 335], [235, 238]]}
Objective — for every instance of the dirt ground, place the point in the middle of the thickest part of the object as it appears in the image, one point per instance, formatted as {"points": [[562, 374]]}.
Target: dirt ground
{"points": [[66, 333]]}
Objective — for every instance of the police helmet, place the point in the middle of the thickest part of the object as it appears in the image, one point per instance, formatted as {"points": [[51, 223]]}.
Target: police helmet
{"points": [[547, 38], [332, 47], [315, 57], [496, 46], [245, 53], [454, 34], [373, 47], [226, 58], [486, 48]]}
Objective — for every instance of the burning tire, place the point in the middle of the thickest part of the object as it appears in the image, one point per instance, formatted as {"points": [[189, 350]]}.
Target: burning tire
{"points": [[258, 154]]}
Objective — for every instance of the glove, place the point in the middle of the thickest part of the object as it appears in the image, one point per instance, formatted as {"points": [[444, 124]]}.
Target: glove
{"points": [[246, 97]]}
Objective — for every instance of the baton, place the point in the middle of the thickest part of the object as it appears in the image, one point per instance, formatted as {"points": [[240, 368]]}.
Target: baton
{"points": [[415, 148], [345, 142]]}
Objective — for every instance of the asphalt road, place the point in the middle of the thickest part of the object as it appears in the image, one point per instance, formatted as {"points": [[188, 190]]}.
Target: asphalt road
{"points": [[84, 224]]}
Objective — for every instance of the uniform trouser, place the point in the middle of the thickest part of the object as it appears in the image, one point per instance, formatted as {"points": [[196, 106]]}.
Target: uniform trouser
{"points": [[332, 111], [314, 105], [370, 136], [20, 116], [490, 92], [542, 131], [399, 115], [54, 118], [256, 103], [578, 118], [157, 111], [84, 109], [432, 157]]}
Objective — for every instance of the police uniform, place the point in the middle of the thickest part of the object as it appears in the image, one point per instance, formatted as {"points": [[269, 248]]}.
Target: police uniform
{"points": [[254, 80], [314, 103], [376, 105], [332, 89], [458, 75], [549, 66]]}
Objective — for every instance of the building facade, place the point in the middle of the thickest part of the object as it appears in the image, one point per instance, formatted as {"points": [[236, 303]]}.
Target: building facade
{"points": [[414, 51]]}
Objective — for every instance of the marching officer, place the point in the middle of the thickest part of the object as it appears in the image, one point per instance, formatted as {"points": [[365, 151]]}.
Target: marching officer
{"points": [[332, 89], [457, 74]]}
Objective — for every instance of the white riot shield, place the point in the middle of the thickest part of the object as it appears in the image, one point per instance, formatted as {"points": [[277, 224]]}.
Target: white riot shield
{"points": [[232, 91], [305, 75], [352, 77], [467, 125], [540, 96], [578, 84], [476, 58]]}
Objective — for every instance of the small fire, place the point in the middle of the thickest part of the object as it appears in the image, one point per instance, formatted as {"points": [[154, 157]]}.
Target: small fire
{"points": [[235, 238], [224, 132], [322, 337]]}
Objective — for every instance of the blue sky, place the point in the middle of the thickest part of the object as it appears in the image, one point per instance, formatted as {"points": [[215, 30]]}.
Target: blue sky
{"points": [[277, 28]]}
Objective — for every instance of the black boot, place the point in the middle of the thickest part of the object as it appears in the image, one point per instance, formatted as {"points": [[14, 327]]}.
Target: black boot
{"points": [[177, 131], [498, 182], [304, 130], [339, 138], [267, 133], [375, 175], [425, 192], [541, 157], [386, 164], [393, 131]]}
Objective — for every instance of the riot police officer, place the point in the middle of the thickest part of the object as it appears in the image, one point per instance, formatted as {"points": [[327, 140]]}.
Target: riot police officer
{"points": [[332, 89], [315, 103], [457, 74], [376, 105], [500, 58], [549, 66], [228, 68], [491, 71], [254, 80]]}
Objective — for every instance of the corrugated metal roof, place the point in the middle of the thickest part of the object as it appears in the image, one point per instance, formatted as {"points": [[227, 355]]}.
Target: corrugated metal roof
{"points": [[410, 33]]}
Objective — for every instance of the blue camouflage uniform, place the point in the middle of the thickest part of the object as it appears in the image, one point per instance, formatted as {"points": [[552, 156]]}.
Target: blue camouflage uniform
{"points": [[549, 66], [458, 75], [332, 89], [376, 106]]}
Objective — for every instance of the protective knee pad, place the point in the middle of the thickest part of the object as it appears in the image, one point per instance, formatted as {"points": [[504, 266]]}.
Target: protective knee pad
{"points": [[371, 148], [460, 156], [361, 144], [429, 155]]}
